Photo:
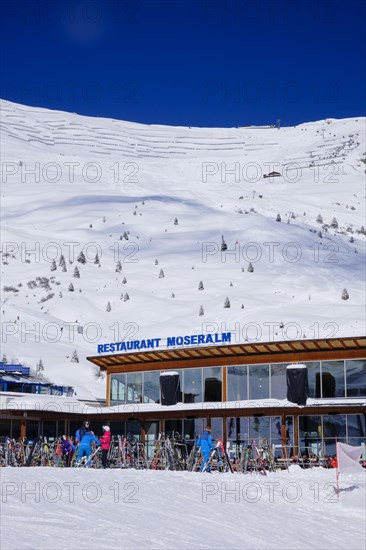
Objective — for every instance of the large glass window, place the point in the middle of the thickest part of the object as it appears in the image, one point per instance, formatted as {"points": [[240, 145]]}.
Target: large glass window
{"points": [[133, 429], [278, 381], [356, 425], [152, 387], [310, 435], [151, 435], [356, 378], [216, 428], [334, 425], [192, 386], [5, 428], [173, 428], [32, 429], [237, 387], [212, 379], [49, 428], [118, 389], [332, 379], [118, 428], [313, 379], [258, 382], [134, 387], [259, 429]]}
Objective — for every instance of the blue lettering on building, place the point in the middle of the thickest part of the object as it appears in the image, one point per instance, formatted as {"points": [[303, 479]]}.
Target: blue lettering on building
{"points": [[171, 341]]}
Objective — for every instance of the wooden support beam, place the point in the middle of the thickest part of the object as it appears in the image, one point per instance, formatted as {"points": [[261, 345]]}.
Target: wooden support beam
{"points": [[284, 436], [23, 430], [296, 435]]}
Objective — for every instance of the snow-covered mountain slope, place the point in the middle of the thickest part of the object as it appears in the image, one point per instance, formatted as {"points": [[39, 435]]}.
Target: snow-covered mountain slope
{"points": [[161, 198]]}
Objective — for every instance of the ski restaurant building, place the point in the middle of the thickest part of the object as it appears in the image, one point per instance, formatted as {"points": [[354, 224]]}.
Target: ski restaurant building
{"points": [[240, 390]]}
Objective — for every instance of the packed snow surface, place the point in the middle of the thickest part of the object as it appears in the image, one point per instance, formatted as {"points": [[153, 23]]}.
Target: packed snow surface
{"points": [[47, 508], [159, 200]]}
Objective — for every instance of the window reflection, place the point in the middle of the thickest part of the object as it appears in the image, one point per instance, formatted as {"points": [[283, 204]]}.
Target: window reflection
{"points": [[237, 383], [118, 389], [332, 379], [152, 387], [192, 385], [134, 387], [212, 379], [356, 378], [258, 381]]}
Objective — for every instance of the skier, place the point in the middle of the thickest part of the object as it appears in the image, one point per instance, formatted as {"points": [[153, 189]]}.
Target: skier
{"points": [[82, 431], [85, 447], [205, 442], [105, 441], [67, 450]]}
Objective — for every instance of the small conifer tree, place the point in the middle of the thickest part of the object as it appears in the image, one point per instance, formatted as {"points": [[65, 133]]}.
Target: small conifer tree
{"points": [[345, 295]]}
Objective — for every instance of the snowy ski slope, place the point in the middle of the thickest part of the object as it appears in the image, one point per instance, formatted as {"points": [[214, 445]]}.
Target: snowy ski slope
{"points": [[72, 183]]}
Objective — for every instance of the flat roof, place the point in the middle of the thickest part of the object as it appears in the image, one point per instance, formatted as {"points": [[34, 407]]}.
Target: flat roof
{"points": [[70, 406], [354, 347]]}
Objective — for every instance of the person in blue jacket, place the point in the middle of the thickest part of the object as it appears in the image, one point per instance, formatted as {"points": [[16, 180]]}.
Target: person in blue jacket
{"points": [[205, 442], [85, 447]]}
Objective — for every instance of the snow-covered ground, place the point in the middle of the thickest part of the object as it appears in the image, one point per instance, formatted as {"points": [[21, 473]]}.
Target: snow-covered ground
{"points": [[161, 198], [65, 508]]}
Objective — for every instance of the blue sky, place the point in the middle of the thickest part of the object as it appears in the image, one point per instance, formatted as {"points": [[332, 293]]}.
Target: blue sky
{"points": [[187, 62]]}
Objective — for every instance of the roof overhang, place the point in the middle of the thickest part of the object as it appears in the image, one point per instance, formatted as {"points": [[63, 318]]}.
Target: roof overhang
{"points": [[249, 353]]}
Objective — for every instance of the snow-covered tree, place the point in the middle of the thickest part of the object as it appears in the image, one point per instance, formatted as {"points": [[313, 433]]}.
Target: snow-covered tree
{"points": [[223, 244], [175, 221], [334, 223], [278, 218], [125, 235], [200, 286], [109, 307], [96, 259], [118, 267], [124, 280], [345, 295], [173, 295], [201, 311], [250, 268], [53, 266], [71, 287], [74, 358], [319, 218], [81, 258], [4, 360], [156, 262], [76, 272], [161, 274], [62, 262], [126, 297], [227, 303]]}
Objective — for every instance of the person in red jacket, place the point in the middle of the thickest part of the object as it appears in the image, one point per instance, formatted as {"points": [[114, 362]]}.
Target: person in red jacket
{"points": [[105, 441]]}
